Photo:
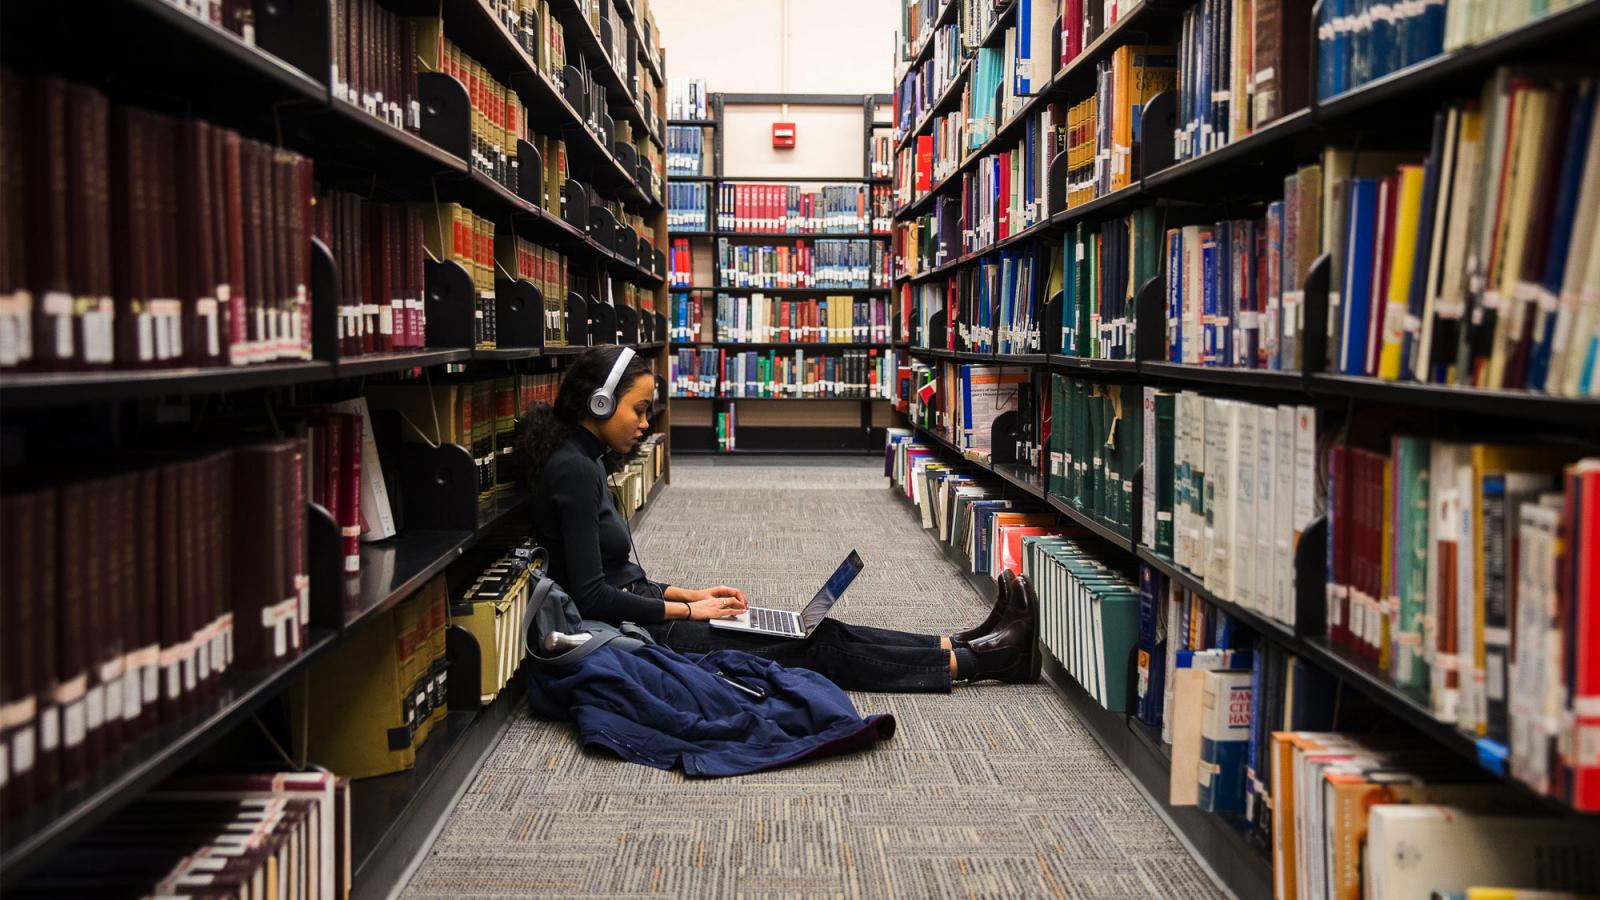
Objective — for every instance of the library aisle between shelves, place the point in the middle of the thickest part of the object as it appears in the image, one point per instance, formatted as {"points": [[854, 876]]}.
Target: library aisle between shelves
{"points": [[993, 790]]}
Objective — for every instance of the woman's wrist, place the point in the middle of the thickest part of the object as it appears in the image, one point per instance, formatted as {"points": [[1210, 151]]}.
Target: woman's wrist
{"points": [[676, 609], [678, 595]]}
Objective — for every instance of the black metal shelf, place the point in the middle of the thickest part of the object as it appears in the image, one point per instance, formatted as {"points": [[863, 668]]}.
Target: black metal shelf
{"points": [[1281, 132], [399, 361], [77, 808], [1573, 27], [781, 345], [601, 66], [784, 292], [29, 390], [1021, 477], [1078, 364], [795, 399], [1512, 404], [1261, 379], [808, 235]]}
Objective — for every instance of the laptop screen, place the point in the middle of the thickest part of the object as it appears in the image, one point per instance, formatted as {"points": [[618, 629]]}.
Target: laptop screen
{"points": [[838, 583]]}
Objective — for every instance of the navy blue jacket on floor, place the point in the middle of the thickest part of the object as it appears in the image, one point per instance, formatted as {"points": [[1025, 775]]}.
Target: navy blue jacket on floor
{"points": [[662, 708]]}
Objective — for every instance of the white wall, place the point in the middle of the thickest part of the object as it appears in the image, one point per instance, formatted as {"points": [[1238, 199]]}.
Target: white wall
{"points": [[792, 47], [738, 46]]}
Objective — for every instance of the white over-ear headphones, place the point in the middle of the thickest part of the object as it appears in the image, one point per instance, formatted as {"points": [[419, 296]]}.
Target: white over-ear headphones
{"points": [[603, 402]]}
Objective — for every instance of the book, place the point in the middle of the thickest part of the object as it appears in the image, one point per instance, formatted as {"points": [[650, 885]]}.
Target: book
{"points": [[1224, 727], [1413, 849]]}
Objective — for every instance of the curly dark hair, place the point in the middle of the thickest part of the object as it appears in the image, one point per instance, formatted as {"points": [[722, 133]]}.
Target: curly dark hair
{"points": [[546, 427]]}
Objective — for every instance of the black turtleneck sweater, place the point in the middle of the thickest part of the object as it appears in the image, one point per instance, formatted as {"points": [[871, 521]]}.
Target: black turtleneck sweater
{"points": [[576, 519]]}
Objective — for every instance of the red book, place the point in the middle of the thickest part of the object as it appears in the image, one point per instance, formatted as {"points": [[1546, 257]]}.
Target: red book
{"points": [[1003, 225], [925, 163], [1340, 516], [350, 488], [258, 548], [1583, 520], [1388, 203]]}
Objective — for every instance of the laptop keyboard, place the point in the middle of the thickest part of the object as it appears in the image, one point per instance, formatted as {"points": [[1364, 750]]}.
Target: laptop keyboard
{"points": [[773, 620]]}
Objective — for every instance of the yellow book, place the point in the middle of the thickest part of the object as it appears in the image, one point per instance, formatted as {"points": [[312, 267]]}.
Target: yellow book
{"points": [[1407, 216], [430, 43], [1528, 168]]}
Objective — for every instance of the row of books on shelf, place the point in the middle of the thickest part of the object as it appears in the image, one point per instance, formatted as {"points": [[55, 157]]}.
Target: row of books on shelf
{"points": [[821, 263], [1241, 66], [685, 149], [201, 569], [1463, 267], [989, 304], [498, 117], [373, 64], [764, 320], [924, 84], [1350, 803], [250, 834], [688, 207], [791, 209], [916, 20], [636, 477], [841, 374], [687, 99], [95, 275], [727, 421]]}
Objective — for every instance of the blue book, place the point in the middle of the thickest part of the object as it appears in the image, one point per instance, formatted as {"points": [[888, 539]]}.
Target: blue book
{"points": [[1175, 296], [1224, 736], [1416, 293], [1151, 662], [1360, 260], [1227, 299], [1561, 230]]}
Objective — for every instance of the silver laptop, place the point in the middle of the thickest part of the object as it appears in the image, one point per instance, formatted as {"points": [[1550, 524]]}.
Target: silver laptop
{"points": [[782, 623]]}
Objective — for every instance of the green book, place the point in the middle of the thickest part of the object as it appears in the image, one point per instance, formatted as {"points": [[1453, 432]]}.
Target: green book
{"points": [[1411, 456]]}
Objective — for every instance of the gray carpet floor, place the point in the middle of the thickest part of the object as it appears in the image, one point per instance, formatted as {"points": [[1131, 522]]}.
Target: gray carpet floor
{"points": [[993, 791]]}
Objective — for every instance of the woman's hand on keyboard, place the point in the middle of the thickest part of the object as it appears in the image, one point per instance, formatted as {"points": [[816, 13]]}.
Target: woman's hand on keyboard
{"points": [[720, 602]]}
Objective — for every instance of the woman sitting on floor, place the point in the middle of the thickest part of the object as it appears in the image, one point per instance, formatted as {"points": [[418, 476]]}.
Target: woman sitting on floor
{"points": [[602, 407]]}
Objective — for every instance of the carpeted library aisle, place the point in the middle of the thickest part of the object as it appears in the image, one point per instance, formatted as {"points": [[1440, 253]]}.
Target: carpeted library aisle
{"points": [[994, 791]]}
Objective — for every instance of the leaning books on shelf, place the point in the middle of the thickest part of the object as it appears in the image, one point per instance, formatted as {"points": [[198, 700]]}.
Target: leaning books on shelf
{"points": [[380, 693], [1476, 264], [94, 276], [202, 569], [214, 835]]}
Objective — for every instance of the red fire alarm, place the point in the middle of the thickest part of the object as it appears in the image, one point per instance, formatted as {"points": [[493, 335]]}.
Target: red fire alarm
{"points": [[783, 135]]}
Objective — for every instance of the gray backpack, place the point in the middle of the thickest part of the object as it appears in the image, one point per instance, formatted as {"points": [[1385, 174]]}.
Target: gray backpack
{"points": [[552, 612]]}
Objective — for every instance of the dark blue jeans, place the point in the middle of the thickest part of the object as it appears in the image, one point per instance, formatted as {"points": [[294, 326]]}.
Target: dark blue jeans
{"points": [[854, 657]]}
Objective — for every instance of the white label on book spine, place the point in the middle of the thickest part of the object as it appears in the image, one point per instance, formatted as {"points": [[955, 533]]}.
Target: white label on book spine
{"points": [[49, 728], [22, 750], [74, 724]]}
